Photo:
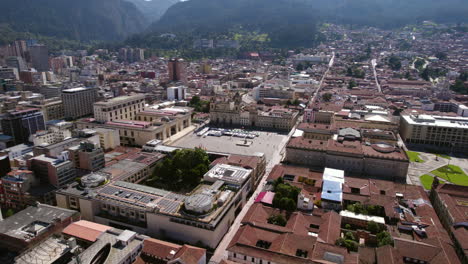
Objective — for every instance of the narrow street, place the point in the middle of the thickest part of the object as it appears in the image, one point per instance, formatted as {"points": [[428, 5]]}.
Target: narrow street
{"points": [[330, 64], [374, 63], [220, 252]]}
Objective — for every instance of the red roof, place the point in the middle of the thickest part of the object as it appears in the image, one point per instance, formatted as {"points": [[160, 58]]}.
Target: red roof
{"points": [[85, 230]]}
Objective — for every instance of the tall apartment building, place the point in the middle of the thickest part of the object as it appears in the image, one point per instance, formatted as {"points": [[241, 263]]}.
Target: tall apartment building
{"points": [[119, 108], [14, 188], [16, 62], [440, 131], [177, 70], [39, 57], [9, 73], [20, 124], [78, 102], [131, 55], [56, 171], [51, 108]]}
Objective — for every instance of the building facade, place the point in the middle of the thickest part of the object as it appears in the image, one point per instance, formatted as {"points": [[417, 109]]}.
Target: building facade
{"points": [[119, 108], [20, 124], [78, 102], [441, 131]]}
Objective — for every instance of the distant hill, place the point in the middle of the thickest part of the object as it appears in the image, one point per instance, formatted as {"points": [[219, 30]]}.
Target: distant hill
{"points": [[74, 19], [153, 9], [290, 22]]}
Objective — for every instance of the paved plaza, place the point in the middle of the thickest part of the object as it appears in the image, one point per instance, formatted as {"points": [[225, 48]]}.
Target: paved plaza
{"points": [[432, 162], [267, 143]]}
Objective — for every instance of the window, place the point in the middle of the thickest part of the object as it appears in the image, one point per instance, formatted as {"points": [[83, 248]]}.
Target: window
{"points": [[382, 192]]}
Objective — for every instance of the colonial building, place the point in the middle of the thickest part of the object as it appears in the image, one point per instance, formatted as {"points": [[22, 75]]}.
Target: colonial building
{"points": [[348, 151]]}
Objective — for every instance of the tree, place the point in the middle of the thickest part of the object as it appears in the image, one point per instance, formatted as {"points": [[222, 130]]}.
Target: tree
{"points": [[183, 170], [373, 227], [408, 75], [384, 238], [425, 74], [277, 219], [351, 245], [9, 213], [394, 62], [352, 84], [285, 195], [349, 236], [441, 55], [419, 63], [327, 97], [299, 67], [195, 100]]}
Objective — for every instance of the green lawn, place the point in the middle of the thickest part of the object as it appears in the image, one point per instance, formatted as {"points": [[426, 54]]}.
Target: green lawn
{"points": [[414, 156], [426, 181], [453, 174], [444, 156]]}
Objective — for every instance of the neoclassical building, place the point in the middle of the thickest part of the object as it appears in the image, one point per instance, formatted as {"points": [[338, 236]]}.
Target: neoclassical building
{"points": [[231, 112]]}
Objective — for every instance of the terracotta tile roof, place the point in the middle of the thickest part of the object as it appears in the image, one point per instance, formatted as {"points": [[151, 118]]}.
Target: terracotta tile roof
{"points": [[455, 198], [190, 255], [160, 249], [321, 251], [388, 255], [85, 230], [330, 229], [283, 247], [424, 251]]}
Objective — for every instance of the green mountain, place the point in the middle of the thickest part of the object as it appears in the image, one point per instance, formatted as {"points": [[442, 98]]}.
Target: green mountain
{"points": [[290, 23], [153, 9], [290, 20], [82, 20]]}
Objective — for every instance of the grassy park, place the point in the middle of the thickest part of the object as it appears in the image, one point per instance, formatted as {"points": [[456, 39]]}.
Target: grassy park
{"points": [[453, 174], [414, 156], [426, 181]]}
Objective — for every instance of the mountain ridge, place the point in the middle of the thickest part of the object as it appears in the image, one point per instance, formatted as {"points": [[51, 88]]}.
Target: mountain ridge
{"points": [[82, 20]]}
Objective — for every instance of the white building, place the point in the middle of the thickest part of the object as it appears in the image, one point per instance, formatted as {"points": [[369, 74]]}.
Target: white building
{"points": [[176, 93], [56, 133], [119, 108], [332, 189]]}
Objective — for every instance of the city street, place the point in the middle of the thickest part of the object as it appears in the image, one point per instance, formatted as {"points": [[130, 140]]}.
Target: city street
{"points": [[374, 63]]}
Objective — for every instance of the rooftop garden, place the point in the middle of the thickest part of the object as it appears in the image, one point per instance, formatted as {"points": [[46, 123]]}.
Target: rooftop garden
{"points": [[182, 171], [358, 208]]}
